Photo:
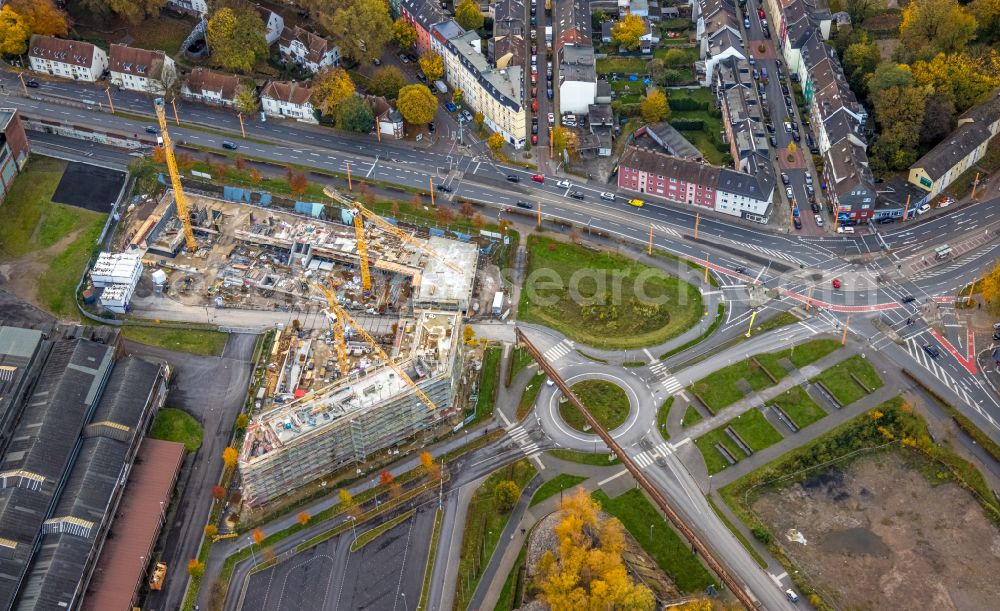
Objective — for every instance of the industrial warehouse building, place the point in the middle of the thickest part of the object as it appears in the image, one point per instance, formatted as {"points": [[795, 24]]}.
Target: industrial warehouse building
{"points": [[74, 410]]}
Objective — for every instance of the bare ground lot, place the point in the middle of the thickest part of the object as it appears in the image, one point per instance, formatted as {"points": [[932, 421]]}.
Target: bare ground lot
{"points": [[879, 536]]}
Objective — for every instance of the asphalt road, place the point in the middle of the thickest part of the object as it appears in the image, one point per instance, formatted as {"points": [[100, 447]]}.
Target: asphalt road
{"points": [[212, 389]]}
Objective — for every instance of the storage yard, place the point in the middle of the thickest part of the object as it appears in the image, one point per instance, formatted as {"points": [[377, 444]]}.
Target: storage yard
{"points": [[329, 398]]}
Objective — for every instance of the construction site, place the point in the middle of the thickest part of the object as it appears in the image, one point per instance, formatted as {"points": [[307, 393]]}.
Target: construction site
{"points": [[389, 359]]}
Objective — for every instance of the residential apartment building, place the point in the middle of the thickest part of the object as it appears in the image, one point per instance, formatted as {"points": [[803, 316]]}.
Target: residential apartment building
{"points": [[958, 152], [850, 186], [423, 15], [141, 70], [508, 46], [307, 50], [198, 8], [80, 61], [210, 87], [577, 78], [498, 93], [573, 24], [274, 24], [288, 99], [742, 117], [744, 194], [14, 149]]}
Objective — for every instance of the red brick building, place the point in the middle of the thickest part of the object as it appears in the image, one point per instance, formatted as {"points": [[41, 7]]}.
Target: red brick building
{"points": [[678, 180], [13, 148]]}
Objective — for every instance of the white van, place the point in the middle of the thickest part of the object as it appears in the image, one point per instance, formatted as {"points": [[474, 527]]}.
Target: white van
{"points": [[843, 229], [924, 208]]}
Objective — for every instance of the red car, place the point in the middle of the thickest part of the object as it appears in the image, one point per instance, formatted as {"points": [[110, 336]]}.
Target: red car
{"points": [[534, 106], [836, 283], [534, 92], [537, 177], [534, 138], [760, 12]]}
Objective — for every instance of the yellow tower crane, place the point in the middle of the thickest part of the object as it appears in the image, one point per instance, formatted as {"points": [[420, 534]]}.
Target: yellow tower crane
{"points": [[359, 233], [342, 315], [338, 329], [175, 178]]}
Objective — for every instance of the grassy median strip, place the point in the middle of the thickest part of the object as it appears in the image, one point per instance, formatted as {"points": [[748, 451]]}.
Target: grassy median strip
{"points": [[799, 406], [752, 428], [671, 553], [599, 459], [662, 413], [530, 394], [488, 383], [519, 359], [563, 481], [691, 417], [374, 533], [839, 381], [721, 311], [484, 524], [425, 589]]}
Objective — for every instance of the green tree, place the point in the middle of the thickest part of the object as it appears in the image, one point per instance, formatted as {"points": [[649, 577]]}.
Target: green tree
{"points": [[626, 32], [938, 114], [656, 67], [860, 60], [468, 15], [245, 99], [236, 39], [432, 65], [132, 10], [987, 13], [417, 104], [654, 107], [888, 75], [361, 28], [963, 78], [354, 115], [675, 57], [403, 33], [899, 111], [387, 81], [859, 10], [456, 96], [505, 495], [14, 32], [564, 140], [331, 87], [930, 27]]}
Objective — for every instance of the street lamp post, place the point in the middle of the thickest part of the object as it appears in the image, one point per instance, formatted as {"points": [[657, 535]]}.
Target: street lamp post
{"points": [[252, 556], [354, 522], [406, 606]]}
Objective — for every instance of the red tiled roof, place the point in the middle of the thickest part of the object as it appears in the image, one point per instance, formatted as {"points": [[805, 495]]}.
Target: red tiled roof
{"points": [[201, 80], [287, 91], [120, 568], [59, 50], [137, 62]]}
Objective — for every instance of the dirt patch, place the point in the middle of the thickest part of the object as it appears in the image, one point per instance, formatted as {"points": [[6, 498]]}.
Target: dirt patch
{"points": [[887, 47], [20, 277], [879, 536]]}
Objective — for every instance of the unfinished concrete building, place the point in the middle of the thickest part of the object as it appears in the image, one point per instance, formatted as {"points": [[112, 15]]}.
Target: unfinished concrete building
{"points": [[370, 410]]}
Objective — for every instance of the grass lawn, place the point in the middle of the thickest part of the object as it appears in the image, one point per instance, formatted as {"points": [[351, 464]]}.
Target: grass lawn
{"points": [[629, 65], [509, 598], [584, 458], [661, 418], [799, 406], [719, 389], [591, 296], [488, 383], [483, 526], [32, 222], [691, 417], [606, 402], [781, 319], [563, 481], [177, 425], [519, 359], [195, 341], [529, 395], [751, 426], [838, 381], [668, 549], [704, 139]]}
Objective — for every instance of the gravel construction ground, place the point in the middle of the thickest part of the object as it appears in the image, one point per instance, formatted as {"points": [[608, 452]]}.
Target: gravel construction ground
{"points": [[880, 536]]}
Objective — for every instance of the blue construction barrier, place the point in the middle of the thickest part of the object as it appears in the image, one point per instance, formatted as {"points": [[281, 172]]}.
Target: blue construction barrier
{"points": [[313, 209]]}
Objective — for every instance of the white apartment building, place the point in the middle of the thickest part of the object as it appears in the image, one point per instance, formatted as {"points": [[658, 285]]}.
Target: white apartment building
{"points": [[210, 87], [288, 99], [497, 93], [198, 8], [308, 50], [61, 58], [273, 22], [141, 70]]}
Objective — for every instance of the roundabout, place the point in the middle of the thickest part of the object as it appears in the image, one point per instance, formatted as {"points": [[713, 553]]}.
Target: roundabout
{"points": [[606, 402]]}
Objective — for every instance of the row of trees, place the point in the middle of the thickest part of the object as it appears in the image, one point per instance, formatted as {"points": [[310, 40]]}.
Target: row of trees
{"points": [[19, 19], [915, 104]]}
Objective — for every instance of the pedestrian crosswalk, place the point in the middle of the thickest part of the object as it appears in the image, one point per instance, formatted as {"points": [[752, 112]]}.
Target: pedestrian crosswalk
{"points": [[648, 457], [558, 351], [774, 254], [670, 383], [667, 230], [522, 438], [915, 347]]}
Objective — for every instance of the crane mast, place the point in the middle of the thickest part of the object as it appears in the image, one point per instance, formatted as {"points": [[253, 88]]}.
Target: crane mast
{"points": [[359, 233], [342, 315], [175, 178], [338, 330]]}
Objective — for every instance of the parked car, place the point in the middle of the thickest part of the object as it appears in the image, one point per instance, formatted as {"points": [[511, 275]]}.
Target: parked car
{"points": [[548, 93], [534, 138], [797, 222], [774, 142], [784, 179], [534, 106], [809, 178], [534, 92], [784, 87], [403, 58], [534, 128], [819, 220], [552, 119], [791, 595], [843, 229], [770, 127], [451, 107], [430, 127], [815, 207], [746, 22], [788, 193]]}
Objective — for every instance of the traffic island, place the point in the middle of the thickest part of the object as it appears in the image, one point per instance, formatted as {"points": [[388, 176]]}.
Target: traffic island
{"points": [[607, 402]]}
